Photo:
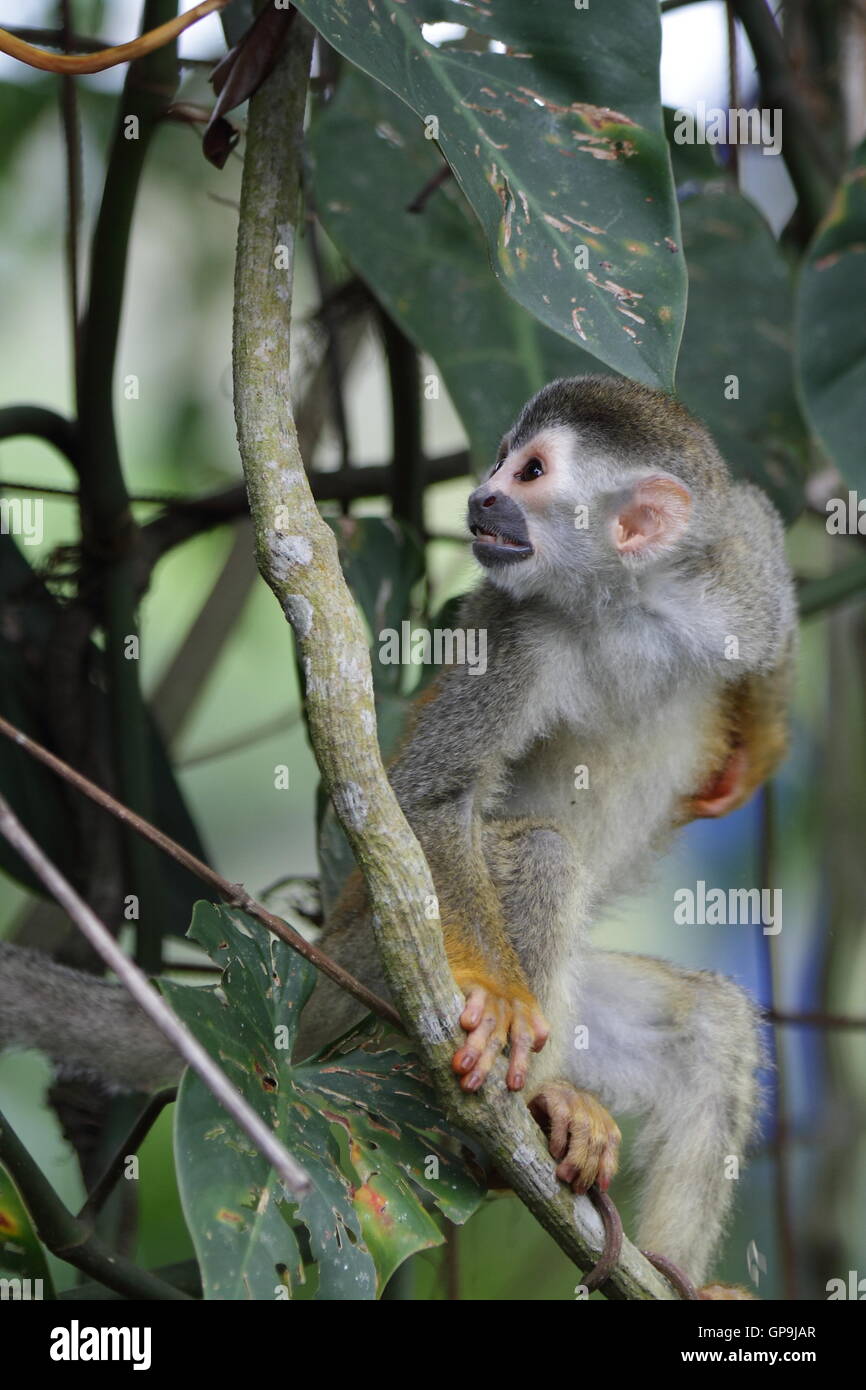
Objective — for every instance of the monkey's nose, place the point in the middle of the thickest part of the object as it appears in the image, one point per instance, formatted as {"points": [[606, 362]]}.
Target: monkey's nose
{"points": [[494, 514]]}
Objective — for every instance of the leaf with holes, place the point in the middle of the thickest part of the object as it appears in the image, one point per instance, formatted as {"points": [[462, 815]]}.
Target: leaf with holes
{"points": [[831, 327], [558, 144], [360, 1117], [431, 272]]}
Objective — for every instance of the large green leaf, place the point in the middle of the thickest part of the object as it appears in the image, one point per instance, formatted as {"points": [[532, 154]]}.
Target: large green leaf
{"points": [[557, 143], [831, 326], [430, 271], [360, 1117], [739, 324]]}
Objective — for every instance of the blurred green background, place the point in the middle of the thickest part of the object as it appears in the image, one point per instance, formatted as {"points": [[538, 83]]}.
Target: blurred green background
{"points": [[178, 438]]}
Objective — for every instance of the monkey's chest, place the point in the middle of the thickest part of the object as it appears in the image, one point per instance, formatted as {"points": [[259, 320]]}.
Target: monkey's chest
{"points": [[618, 785]]}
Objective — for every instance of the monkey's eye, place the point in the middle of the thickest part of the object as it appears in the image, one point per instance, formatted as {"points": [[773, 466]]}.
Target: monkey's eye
{"points": [[498, 464], [533, 469]]}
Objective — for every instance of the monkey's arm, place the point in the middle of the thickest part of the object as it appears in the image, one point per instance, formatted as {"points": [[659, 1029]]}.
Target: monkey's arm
{"points": [[452, 761]]}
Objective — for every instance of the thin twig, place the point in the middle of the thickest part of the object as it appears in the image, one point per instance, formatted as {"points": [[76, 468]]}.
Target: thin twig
{"points": [[214, 508], [813, 1019], [108, 57], [811, 165], [130, 1144], [138, 985], [279, 724], [72, 147], [333, 353], [422, 197], [781, 1155], [84, 43], [71, 1239], [733, 85], [407, 494], [109, 534], [232, 893], [154, 1007]]}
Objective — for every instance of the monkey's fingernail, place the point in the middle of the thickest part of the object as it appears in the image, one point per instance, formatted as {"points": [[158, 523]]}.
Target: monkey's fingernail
{"points": [[465, 1061], [515, 1083], [472, 1083]]}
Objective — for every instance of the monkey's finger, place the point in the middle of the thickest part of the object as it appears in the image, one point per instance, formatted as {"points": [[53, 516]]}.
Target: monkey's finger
{"points": [[468, 1056], [540, 1031], [481, 1070], [608, 1166], [557, 1139], [521, 1043], [580, 1164], [473, 1011]]}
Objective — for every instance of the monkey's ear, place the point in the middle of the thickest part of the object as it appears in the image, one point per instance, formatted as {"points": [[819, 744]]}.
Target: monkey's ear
{"points": [[651, 515]]}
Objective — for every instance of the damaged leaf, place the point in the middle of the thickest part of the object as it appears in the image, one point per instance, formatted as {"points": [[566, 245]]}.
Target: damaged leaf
{"points": [[360, 1117], [558, 144]]}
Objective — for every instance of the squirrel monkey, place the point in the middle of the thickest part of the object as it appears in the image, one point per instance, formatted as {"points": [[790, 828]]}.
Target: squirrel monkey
{"points": [[641, 628], [640, 623]]}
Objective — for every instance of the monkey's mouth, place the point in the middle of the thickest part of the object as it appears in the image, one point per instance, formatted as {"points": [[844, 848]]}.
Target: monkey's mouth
{"points": [[498, 547]]}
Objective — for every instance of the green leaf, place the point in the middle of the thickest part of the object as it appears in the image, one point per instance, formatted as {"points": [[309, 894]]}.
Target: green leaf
{"points": [[360, 1117], [556, 143], [739, 324], [831, 327], [21, 1253], [430, 271]]}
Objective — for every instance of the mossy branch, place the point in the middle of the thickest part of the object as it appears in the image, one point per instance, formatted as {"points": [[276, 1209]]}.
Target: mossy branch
{"points": [[297, 556]]}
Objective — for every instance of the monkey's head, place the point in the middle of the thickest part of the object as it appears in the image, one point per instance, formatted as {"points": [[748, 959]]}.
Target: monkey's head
{"points": [[597, 478]]}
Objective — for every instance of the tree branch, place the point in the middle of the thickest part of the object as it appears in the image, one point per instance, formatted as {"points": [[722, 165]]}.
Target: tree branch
{"points": [[812, 167], [297, 556], [109, 533], [232, 893]]}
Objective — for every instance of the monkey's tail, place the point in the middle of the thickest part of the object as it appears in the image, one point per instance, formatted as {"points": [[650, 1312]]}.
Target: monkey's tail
{"points": [[89, 1027]]}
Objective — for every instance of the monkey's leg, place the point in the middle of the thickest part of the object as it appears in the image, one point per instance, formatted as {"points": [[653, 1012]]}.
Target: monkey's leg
{"points": [[679, 1049]]}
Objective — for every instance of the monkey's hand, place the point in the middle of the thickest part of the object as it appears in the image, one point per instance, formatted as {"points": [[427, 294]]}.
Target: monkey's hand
{"points": [[581, 1135], [497, 1014]]}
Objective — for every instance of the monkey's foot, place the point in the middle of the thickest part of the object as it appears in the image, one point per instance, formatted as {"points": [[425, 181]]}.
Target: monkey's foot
{"points": [[580, 1134], [496, 1016], [716, 1292]]}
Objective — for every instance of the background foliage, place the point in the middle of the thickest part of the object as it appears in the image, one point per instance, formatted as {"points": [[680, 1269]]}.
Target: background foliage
{"points": [[417, 336]]}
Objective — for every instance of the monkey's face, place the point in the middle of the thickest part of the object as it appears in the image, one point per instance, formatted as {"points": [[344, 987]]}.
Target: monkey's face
{"points": [[507, 512], [560, 514], [523, 517]]}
